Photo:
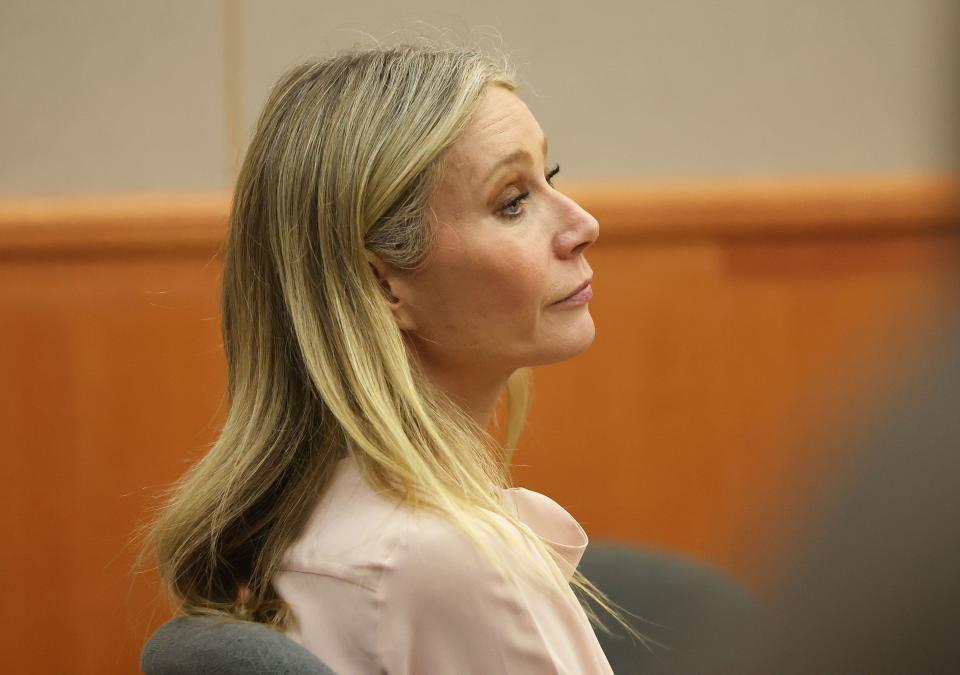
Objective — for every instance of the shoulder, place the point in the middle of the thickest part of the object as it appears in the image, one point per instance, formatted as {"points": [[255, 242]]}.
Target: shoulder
{"points": [[439, 583], [435, 557], [446, 607], [433, 551]]}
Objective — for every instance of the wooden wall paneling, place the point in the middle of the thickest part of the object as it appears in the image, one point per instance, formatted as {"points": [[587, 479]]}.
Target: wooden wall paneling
{"points": [[113, 380], [710, 401], [740, 329]]}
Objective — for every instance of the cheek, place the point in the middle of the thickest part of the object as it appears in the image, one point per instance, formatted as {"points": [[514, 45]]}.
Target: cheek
{"points": [[509, 282], [506, 285]]}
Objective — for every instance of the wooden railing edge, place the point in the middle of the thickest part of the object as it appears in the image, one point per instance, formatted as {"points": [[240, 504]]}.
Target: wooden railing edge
{"points": [[859, 205]]}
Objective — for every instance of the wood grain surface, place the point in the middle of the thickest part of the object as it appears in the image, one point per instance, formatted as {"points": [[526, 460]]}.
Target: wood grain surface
{"points": [[744, 330]]}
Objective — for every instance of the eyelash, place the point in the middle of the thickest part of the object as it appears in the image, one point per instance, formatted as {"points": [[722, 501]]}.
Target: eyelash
{"points": [[522, 197]]}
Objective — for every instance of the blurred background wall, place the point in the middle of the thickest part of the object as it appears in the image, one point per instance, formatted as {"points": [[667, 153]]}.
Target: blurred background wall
{"points": [[776, 186], [108, 96]]}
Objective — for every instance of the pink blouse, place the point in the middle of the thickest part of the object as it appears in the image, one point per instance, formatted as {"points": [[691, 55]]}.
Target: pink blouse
{"points": [[377, 588]]}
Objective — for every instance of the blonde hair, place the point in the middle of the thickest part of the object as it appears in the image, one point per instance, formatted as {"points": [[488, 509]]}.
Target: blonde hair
{"points": [[345, 157]]}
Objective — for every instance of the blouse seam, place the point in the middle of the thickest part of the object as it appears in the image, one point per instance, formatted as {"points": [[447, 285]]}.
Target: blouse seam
{"points": [[331, 575], [388, 568]]}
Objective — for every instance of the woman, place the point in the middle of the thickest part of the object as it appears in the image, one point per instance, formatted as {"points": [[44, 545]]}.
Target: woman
{"points": [[396, 258]]}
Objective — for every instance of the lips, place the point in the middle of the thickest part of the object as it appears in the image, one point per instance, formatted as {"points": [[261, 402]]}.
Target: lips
{"points": [[576, 290]]}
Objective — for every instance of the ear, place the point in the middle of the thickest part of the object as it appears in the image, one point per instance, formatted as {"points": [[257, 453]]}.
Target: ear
{"points": [[395, 291]]}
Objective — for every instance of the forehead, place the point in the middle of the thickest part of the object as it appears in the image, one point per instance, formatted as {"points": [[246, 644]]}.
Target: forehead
{"points": [[501, 123]]}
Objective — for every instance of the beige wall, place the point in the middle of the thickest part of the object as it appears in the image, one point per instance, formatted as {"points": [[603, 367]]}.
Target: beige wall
{"points": [[108, 95], [113, 95]]}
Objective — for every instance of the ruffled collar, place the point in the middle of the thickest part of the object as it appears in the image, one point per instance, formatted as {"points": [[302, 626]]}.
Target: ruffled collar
{"points": [[551, 523]]}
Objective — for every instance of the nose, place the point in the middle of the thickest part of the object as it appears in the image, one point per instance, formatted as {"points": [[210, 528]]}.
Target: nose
{"points": [[580, 229]]}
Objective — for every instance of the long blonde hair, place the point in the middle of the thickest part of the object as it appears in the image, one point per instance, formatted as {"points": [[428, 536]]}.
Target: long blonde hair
{"points": [[346, 155]]}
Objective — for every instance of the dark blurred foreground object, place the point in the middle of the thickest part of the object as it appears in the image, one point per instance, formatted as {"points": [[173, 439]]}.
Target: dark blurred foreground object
{"points": [[193, 645], [876, 588], [680, 602]]}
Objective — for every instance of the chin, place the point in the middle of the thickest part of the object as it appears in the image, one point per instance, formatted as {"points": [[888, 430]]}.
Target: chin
{"points": [[574, 341]]}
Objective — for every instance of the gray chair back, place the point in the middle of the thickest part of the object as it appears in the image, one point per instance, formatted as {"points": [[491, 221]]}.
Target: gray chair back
{"points": [[687, 606], [193, 645]]}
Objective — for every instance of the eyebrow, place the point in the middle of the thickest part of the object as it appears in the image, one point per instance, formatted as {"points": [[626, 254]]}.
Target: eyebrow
{"points": [[519, 153]]}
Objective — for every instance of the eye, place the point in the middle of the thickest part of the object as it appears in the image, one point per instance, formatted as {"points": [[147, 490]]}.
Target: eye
{"points": [[508, 211]]}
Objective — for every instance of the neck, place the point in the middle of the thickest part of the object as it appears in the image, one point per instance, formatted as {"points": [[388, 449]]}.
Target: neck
{"points": [[475, 390], [476, 395]]}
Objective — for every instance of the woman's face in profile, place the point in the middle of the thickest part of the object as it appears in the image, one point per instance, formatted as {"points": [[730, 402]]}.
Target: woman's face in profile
{"points": [[484, 300]]}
